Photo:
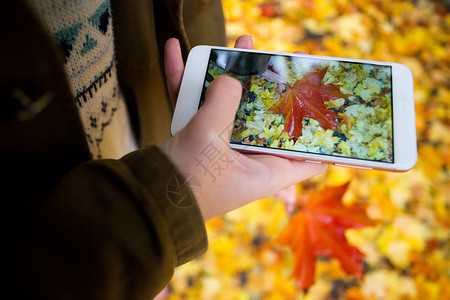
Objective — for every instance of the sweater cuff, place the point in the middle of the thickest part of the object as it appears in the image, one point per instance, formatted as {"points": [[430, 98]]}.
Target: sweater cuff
{"points": [[175, 200]]}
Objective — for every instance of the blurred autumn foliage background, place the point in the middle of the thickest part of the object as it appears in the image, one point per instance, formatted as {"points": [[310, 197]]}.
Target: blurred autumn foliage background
{"points": [[407, 254]]}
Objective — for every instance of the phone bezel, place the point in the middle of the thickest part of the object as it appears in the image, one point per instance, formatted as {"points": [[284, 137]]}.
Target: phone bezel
{"points": [[404, 129]]}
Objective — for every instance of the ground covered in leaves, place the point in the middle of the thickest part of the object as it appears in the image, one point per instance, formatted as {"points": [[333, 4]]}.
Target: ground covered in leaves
{"points": [[329, 107], [407, 253]]}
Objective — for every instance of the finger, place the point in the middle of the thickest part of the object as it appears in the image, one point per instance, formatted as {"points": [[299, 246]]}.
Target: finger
{"points": [[221, 103], [273, 76], [287, 171], [244, 42], [280, 86], [173, 67], [301, 52], [301, 171], [278, 67]]}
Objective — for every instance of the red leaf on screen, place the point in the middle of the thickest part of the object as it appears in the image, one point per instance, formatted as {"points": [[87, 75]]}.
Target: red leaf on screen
{"points": [[305, 99]]}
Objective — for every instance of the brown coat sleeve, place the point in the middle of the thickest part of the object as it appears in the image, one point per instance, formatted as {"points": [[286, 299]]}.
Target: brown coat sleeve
{"points": [[112, 229]]}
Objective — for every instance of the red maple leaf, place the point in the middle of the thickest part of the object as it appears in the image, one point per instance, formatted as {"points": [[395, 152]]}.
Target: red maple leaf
{"points": [[305, 99], [317, 229], [269, 10]]}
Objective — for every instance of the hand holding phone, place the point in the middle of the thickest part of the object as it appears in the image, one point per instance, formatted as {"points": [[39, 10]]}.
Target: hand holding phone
{"points": [[347, 112], [226, 179]]}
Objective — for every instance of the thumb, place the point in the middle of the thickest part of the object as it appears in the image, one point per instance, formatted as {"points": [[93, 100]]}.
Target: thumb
{"points": [[221, 103]]}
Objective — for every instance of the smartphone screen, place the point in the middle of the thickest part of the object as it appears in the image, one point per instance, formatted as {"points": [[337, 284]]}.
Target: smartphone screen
{"points": [[302, 104]]}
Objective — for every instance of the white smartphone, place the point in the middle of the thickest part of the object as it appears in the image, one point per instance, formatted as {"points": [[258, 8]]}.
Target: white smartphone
{"points": [[346, 112]]}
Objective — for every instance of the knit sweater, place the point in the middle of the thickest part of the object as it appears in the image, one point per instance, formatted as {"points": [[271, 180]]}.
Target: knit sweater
{"points": [[83, 30]]}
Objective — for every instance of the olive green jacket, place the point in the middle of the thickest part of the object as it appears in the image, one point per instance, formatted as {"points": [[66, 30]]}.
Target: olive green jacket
{"points": [[75, 228]]}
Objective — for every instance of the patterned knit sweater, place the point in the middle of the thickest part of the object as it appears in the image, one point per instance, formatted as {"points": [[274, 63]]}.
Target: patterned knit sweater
{"points": [[83, 30]]}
